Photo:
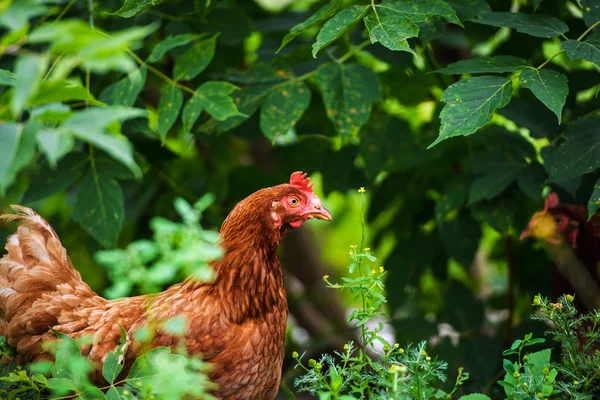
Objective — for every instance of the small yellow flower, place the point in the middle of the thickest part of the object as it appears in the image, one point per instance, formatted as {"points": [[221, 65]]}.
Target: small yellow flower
{"points": [[367, 249], [575, 382], [325, 277], [402, 369], [353, 246], [381, 270], [295, 354], [346, 346], [396, 345], [423, 353], [401, 351], [394, 368], [373, 272], [361, 190], [428, 358], [536, 301]]}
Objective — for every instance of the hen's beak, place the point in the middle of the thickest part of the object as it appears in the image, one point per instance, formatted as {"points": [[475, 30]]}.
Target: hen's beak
{"points": [[321, 213], [526, 233]]}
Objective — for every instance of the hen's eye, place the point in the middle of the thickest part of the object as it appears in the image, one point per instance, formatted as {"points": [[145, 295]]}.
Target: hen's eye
{"points": [[293, 201]]}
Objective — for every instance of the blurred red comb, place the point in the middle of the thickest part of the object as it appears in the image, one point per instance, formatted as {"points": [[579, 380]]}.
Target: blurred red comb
{"points": [[300, 181], [551, 202]]}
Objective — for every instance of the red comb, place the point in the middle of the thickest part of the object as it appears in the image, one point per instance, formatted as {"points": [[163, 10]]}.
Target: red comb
{"points": [[300, 181], [551, 202]]}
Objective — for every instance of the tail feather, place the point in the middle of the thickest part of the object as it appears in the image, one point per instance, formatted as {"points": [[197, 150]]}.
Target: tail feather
{"points": [[36, 264]]}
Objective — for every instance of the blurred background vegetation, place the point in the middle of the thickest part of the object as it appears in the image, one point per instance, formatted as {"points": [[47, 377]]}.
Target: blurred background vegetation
{"points": [[458, 275]]}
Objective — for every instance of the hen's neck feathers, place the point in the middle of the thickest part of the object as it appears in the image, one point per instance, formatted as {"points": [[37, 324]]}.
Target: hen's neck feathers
{"points": [[249, 280]]}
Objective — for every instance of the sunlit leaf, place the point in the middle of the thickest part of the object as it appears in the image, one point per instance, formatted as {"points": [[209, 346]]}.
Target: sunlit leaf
{"points": [[131, 8], [55, 144], [420, 10], [337, 26], [171, 42], [125, 91], [588, 50], [594, 201], [323, 13], [391, 30], [29, 71], [470, 104], [49, 181], [10, 134]]}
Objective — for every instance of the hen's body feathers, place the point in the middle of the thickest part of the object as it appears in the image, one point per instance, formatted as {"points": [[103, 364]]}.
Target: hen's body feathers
{"points": [[236, 322]]}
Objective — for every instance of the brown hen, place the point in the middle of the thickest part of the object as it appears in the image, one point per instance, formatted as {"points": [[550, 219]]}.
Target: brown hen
{"points": [[237, 322]]}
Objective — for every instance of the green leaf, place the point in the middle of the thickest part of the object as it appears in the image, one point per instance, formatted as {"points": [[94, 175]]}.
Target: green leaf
{"points": [[495, 64], [475, 396], [29, 71], [168, 109], [7, 78], [49, 181], [578, 155], [62, 91], [213, 97], [176, 325], [90, 126], [391, 30], [98, 207], [549, 86], [54, 144], [594, 201], [118, 393], [453, 196], [588, 50], [132, 8], [111, 367], [282, 108], [169, 43], [470, 104], [531, 179], [20, 12], [337, 26], [468, 9], [125, 91], [419, 11], [537, 25], [591, 11], [348, 91], [195, 60], [492, 184], [323, 13], [10, 135]]}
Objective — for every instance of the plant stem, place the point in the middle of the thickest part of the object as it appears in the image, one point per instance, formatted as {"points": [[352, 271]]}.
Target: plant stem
{"points": [[542, 65], [354, 50], [588, 30]]}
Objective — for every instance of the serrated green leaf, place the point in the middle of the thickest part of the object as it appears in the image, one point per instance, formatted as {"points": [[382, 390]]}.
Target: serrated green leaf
{"points": [[10, 135], [594, 201], [549, 86], [125, 91], [495, 64], [98, 207], [213, 97], [419, 11], [323, 13], [470, 104], [118, 393], [169, 43], [54, 144], [49, 181], [588, 50], [348, 92], [538, 25], [195, 60], [531, 179], [132, 8], [337, 26], [168, 109], [591, 11], [7, 78], [578, 155], [282, 108], [90, 126], [391, 30], [29, 71]]}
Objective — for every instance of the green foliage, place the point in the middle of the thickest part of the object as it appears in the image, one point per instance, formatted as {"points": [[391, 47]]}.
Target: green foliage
{"points": [[111, 110], [178, 250]]}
